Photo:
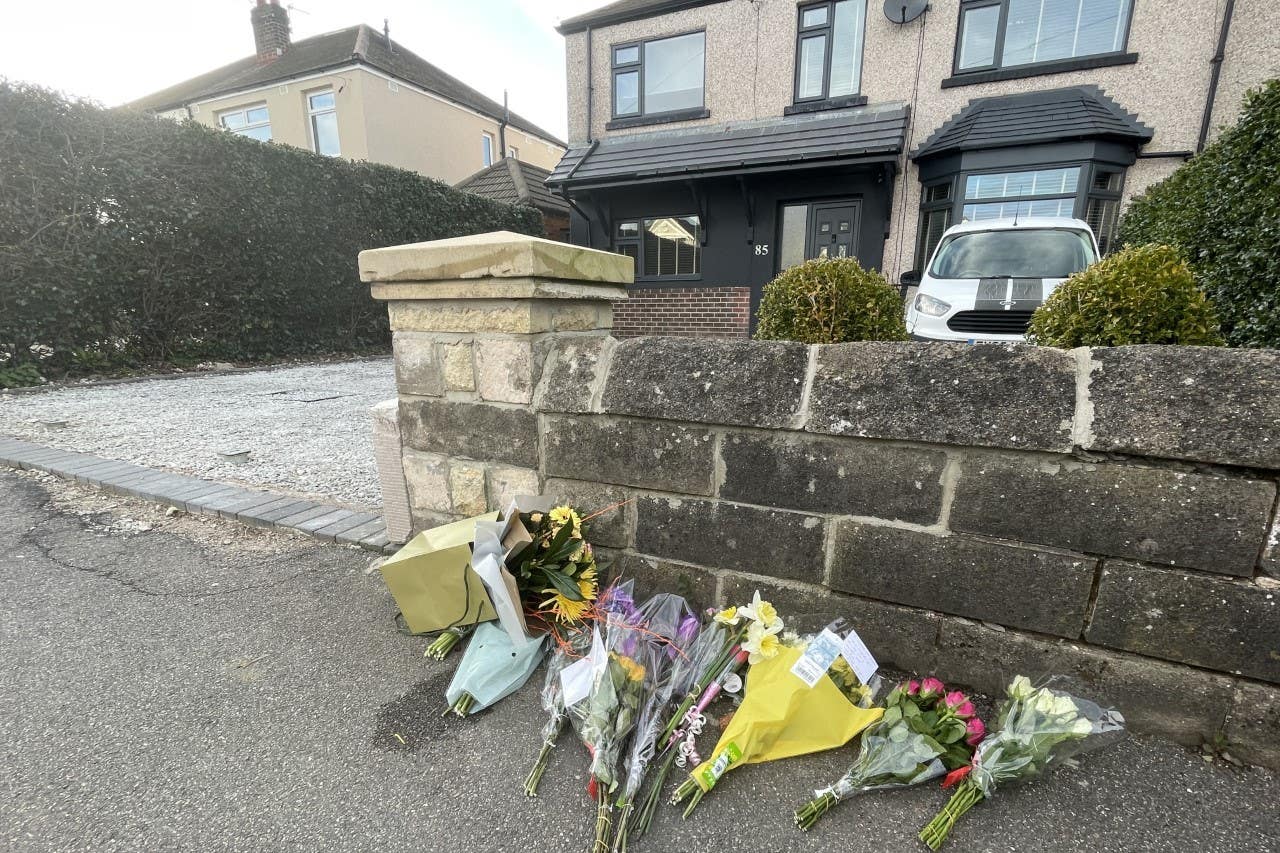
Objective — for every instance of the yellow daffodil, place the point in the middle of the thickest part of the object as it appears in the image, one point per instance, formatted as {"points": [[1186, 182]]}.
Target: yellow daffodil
{"points": [[761, 644], [728, 616], [633, 669], [762, 613]]}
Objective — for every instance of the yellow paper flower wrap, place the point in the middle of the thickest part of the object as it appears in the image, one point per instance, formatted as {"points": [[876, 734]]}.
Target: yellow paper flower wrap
{"points": [[781, 717]]}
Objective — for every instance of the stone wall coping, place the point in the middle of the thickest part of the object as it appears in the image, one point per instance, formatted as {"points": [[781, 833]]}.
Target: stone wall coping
{"points": [[506, 288], [499, 254]]}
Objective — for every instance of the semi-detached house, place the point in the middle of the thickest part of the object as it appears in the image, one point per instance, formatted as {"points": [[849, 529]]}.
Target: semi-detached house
{"points": [[720, 141]]}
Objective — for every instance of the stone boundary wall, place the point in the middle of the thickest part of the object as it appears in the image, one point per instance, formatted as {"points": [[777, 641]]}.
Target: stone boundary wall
{"points": [[975, 511]]}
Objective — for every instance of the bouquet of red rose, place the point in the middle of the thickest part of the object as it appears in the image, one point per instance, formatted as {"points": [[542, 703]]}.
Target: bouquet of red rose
{"points": [[924, 731]]}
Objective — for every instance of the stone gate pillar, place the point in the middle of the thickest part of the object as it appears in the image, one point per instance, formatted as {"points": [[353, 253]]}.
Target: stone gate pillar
{"points": [[473, 320]]}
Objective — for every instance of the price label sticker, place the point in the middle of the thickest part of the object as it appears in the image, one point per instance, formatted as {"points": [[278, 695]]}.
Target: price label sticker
{"points": [[817, 658], [859, 657]]}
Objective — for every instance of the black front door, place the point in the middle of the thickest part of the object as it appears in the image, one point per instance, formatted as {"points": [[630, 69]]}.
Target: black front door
{"points": [[834, 230]]}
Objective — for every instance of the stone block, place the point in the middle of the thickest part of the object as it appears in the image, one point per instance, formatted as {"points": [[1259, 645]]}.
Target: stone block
{"points": [[506, 369], [1253, 728], [988, 395], [504, 316], [615, 520], [1187, 705], [459, 367], [1232, 626], [499, 255], [722, 535], [647, 454], [417, 364], [1021, 587], [901, 637], [1151, 514], [651, 575], [572, 372], [474, 430], [751, 383], [1271, 551], [427, 476], [834, 475], [1207, 404], [466, 488], [506, 483]]}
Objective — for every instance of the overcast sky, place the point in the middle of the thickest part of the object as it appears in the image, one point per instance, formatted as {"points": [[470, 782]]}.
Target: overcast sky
{"points": [[117, 50]]}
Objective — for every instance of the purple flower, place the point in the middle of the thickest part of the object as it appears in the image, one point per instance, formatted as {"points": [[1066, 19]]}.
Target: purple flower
{"points": [[688, 629], [618, 600]]}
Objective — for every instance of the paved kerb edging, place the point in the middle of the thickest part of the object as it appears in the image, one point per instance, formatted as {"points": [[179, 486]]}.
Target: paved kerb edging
{"points": [[255, 507]]}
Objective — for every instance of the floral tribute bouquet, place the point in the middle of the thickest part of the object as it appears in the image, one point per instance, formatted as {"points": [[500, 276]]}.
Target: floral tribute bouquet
{"points": [[491, 669], [609, 713], [556, 573], [672, 628], [924, 732], [570, 650], [781, 716], [1038, 728]]}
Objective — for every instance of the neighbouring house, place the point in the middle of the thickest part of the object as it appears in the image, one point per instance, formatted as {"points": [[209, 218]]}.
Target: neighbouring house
{"points": [[517, 182], [719, 141], [355, 93]]}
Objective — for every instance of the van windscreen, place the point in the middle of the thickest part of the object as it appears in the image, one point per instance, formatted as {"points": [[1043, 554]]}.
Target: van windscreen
{"points": [[1015, 253]]}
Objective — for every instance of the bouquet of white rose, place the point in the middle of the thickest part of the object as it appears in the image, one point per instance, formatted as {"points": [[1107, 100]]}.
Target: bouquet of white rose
{"points": [[1038, 728]]}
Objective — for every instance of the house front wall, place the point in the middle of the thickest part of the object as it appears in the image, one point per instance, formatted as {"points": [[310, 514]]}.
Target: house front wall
{"points": [[385, 121], [750, 65]]}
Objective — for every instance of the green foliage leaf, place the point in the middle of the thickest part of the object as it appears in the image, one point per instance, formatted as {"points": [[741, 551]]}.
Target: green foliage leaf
{"points": [[564, 584]]}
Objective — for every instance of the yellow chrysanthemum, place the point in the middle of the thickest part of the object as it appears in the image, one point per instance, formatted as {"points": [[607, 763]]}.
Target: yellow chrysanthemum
{"points": [[562, 515], [633, 669], [565, 608]]}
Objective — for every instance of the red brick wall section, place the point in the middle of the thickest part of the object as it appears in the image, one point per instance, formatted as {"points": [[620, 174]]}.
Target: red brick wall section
{"points": [[695, 312]]}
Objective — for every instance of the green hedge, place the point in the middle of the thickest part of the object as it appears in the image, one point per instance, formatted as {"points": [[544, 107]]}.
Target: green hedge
{"points": [[127, 239], [1222, 210]]}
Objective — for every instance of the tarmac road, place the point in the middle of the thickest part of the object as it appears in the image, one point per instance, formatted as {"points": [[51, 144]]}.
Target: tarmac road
{"points": [[161, 690]]}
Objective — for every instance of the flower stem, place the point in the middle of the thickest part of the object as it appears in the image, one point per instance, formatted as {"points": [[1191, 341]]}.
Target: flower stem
{"points": [[936, 831], [808, 814], [687, 787], [621, 836], [463, 706], [603, 819], [644, 817], [535, 774], [444, 643]]}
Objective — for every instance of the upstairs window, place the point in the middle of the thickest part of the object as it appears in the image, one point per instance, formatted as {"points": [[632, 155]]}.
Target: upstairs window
{"points": [[829, 50], [660, 76], [486, 148], [322, 111], [248, 121], [663, 247], [1009, 33]]}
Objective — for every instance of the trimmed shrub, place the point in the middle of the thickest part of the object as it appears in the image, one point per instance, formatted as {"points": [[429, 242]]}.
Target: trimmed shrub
{"points": [[127, 239], [828, 301], [1222, 209], [1140, 295]]}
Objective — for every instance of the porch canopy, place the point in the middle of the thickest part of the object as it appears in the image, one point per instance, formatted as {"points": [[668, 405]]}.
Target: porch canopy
{"points": [[865, 135]]}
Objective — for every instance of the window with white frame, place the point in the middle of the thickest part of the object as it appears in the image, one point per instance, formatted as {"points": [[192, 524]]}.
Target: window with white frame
{"points": [[253, 122], [486, 148], [1009, 33], [322, 109], [829, 50], [513, 152]]}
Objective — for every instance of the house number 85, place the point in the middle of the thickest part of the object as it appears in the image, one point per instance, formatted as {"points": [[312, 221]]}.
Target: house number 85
{"points": [[762, 248]]}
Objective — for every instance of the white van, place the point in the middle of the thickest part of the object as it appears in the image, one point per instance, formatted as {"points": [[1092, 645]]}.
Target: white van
{"points": [[987, 277]]}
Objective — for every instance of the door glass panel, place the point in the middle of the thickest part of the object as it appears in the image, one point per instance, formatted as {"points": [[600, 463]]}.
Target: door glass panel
{"points": [[978, 37], [812, 56], [673, 72], [795, 226], [846, 48]]}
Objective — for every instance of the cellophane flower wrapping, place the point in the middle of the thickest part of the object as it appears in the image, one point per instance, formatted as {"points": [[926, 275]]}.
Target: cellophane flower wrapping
{"points": [[492, 668], [672, 627], [575, 645], [1038, 728]]}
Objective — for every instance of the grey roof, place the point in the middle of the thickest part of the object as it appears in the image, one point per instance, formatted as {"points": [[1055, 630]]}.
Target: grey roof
{"points": [[359, 44], [1077, 112], [515, 182], [869, 133], [626, 10]]}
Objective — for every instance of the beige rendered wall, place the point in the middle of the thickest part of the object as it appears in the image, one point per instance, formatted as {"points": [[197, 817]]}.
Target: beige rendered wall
{"points": [[398, 125], [751, 57]]}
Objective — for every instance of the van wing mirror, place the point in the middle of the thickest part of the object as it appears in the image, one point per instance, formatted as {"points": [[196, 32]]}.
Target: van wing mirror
{"points": [[910, 278]]}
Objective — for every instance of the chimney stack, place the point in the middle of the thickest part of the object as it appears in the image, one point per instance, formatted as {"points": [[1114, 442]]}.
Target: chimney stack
{"points": [[270, 29]]}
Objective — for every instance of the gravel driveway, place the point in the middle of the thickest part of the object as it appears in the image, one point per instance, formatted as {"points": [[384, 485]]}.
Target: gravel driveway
{"points": [[307, 428]]}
